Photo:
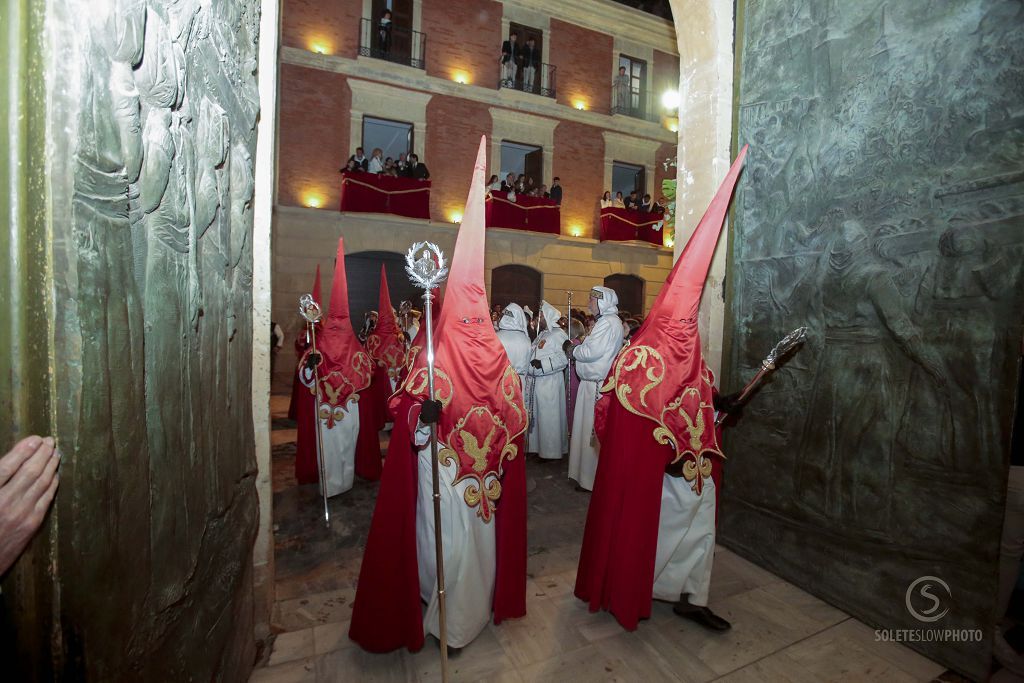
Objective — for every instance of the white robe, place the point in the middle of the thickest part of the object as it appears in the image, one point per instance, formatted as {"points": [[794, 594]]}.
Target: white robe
{"points": [[470, 561], [686, 541], [513, 336], [594, 359], [549, 437], [339, 454]]}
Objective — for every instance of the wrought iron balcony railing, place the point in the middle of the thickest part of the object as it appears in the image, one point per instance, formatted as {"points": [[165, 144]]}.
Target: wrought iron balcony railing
{"points": [[539, 81], [633, 102], [392, 43]]}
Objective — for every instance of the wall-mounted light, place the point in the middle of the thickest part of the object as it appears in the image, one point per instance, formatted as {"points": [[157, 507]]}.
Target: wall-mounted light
{"points": [[669, 241], [672, 124], [579, 105], [670, 99], [319, 46], [313, 200], [576, 231], [455, 216], [460, 77]]}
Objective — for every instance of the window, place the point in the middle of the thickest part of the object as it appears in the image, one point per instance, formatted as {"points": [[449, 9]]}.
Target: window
{"points": [[630, 290], [632, 100], [363, 270], [518, 158], [393, 137], [626, 178]]}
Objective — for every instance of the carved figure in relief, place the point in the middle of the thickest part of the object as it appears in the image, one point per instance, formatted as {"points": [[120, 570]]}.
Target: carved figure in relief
{"points": [[865, 325]]}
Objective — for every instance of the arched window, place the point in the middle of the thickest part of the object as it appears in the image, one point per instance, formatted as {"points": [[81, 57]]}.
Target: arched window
{"points": [[514, 283], [363, 269], [630, 289]]}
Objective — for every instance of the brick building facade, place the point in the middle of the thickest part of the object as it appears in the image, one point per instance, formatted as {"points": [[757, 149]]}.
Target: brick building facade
{"points": [[445, 85]]}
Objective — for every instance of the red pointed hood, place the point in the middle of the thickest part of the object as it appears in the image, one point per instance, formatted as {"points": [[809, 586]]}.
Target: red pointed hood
{"points": [[385, 344], [483, 410], [346, 368], [662, 375]]}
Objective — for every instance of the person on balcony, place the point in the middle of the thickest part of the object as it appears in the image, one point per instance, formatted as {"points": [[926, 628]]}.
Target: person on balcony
{"points": [[494, 185], [357, 161], [618, 203], [620, 91], [531, 60], [384, 33], [419, 170], [510, 58], [647, 205], [606, 200], [402, 166], [632, 202], [556, 190], [509, 184], [376, 163]]}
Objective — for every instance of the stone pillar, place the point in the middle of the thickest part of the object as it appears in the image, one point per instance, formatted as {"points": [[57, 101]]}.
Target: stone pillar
{"points": [[704, 33]]}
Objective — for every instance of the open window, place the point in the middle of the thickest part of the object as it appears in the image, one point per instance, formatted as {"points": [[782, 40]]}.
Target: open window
{"points": [[517, 158], [628, 177], [393, 137]]}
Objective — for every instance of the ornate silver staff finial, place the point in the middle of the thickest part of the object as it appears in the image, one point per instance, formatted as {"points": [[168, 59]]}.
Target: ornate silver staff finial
{"points": [[429, 270], [785, 345], [309, 309]]}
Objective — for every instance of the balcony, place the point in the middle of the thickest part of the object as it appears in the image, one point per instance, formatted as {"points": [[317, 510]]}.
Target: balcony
{"points": [[397, 45], [543, 81], [363, 192], [627, 225], [634, 103]]}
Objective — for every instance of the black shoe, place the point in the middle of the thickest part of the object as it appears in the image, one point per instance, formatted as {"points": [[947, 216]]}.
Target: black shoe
{"points": [[703, 616], [454, 652], [581, 489]]}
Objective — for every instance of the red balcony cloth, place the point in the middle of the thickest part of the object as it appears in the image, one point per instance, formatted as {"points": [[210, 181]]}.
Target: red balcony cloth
{"points": [[525, 213], [372, 193], [623, 225]]}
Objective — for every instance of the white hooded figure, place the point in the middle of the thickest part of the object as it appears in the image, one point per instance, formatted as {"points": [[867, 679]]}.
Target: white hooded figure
{"points": [[594, 359], [513, 336], [548, 420]]}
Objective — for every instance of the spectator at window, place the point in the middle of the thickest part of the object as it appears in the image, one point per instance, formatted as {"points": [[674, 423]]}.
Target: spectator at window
{"points": [[620, 90], [419, 170], [659, 206], [402, 166], [389, 165], [618, 203], [529, 185], [521, 183], [494, 183], [351, 166], [542, 191], [556, 190], [606, 200], [531, 60], [647, 205], [384, 33], [376, 163], [631, 201], [361, 162], [509, 184], [510, 58]]}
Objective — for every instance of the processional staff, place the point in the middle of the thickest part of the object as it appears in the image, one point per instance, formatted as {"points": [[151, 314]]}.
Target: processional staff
{"points": [[427, 273]]}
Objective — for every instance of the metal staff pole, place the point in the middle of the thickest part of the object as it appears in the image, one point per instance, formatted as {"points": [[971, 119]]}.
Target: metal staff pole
{"points": [[310, 311], [428, 272], [785, 345]]}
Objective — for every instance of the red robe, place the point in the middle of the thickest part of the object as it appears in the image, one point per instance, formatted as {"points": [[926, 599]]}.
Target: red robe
{"points": [[387, 614]]}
